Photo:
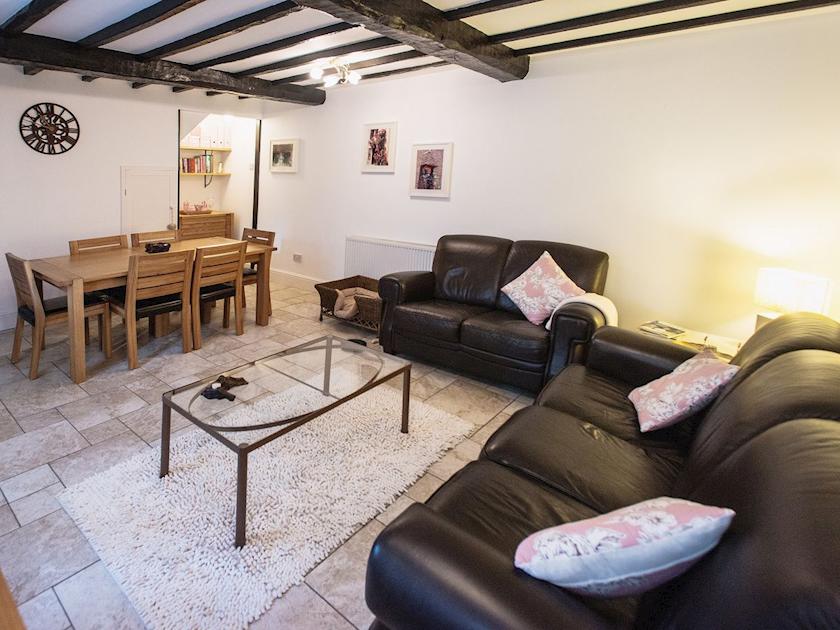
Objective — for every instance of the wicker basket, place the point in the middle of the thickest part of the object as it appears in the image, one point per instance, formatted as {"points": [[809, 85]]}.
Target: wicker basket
{"points": [[370, 309]]}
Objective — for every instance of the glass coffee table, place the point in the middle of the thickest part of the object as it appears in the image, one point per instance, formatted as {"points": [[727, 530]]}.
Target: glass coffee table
{"points": [[325, 372]]}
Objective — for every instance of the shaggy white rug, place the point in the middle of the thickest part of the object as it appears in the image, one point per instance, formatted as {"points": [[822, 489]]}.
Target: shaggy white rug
{"points": [[169, 542]]}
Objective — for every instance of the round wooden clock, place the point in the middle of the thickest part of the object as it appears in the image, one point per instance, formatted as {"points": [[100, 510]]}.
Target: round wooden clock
{"points": [[49, 128]]}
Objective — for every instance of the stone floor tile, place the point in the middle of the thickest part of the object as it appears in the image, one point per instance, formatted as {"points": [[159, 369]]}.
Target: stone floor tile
{"points": [[52, 389], [40, 420], [300, 327], [104, 430], [340, 579], [145, 422], [32, 507], [301, 608], [9, 373], [520, 402], [424, 487], [8, 426], [258, 350], [483, 434], [28, 482], [29, 450], [470, 401], [93, 459], [112, 609], [94, 410], [303, 309], [43, 553], [149, 388], [44, 612], [396, 508], [8, 522], [456, 459], [176, 366]]}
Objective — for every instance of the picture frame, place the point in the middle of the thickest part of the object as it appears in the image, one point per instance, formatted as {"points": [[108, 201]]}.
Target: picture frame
{"points": [[431, 170], [379, 147], [284, 155]]}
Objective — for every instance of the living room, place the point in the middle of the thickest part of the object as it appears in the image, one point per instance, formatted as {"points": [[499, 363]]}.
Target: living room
{"points": [[686, 172]]}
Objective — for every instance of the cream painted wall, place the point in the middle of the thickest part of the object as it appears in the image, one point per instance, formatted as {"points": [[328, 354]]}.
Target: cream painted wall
{"points": [[692, 159], [47, 200]]}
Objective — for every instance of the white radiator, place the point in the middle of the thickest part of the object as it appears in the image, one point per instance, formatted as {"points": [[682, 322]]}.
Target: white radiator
{"points": [[375, 257]]}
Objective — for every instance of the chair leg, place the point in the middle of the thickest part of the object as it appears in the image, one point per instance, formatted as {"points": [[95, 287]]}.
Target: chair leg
{"points": [[37, 340], [131, 340], [226, 314], [18, 340], [105, 332], [196, 328], [239, 312], [187, 341], [243, 300], [100, 325], [87, 331]]}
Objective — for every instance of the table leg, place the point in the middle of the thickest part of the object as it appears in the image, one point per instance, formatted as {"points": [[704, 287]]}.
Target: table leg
{"points": [[76, 325], [263, 288], [159, 325], [406, 398], [165, 430], [241, 494]]}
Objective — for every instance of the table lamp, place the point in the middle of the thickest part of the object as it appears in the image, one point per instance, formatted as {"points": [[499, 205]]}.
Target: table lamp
{"points": [[785, 291]]}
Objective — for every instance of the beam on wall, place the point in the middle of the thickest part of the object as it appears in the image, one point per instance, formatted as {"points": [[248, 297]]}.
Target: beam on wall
{"points": [[29, 14], [55, 54], [390, 73], [682, 25], [596, 19], [144, 18], [425, 28], [231, 27], [367, 63], [480, 8]]}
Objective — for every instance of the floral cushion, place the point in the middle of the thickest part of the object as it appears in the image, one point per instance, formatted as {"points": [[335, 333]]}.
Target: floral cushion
{"points": [[683, 392], [625, 552], [540, 289]]}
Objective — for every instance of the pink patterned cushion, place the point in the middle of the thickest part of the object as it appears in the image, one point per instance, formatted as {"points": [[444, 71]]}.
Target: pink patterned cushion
{"points": [[540, 289], [683, 392], [625, 552]]}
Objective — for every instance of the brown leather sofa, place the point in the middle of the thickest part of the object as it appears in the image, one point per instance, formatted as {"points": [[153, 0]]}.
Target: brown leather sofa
{"points": [[457, 316], [768, 447]]}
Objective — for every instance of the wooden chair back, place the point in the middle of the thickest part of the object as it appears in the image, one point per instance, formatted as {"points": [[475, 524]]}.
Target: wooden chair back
{"points": [[218, 264], [26, 292], [161, 236], [101, 244], [264, 237], [155, 275]]}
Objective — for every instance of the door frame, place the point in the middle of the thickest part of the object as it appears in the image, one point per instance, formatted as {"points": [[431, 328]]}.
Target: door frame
{"points": [[124, 170]]}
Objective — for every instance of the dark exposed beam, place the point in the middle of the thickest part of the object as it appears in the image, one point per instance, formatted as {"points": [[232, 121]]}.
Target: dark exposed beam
{"points": [[390, 73], [144, 18], [88, 79], [301, 60], [682, 25], [425, 28], [214, 93], [480, 8], [231, 27], [278, 44], [30, 14], [180, 88], [136, 85], [56, 54], [625, 13], [31, 70], [359, 65]]}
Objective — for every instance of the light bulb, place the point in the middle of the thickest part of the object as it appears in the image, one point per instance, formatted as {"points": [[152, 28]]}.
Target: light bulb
{"points": [[331, 80], [316, 73], [354, 78]]}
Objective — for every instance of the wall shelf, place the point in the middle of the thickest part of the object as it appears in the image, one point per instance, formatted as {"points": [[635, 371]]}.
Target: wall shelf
{"points": [[206, 174], [218, 149]]}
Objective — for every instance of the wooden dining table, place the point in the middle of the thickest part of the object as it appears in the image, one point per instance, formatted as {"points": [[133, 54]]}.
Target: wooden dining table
{"points": [[92, 271]]}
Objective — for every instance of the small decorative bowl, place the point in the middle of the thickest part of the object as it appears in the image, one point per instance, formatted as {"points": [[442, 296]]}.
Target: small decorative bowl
{"points": [[157, 248]]}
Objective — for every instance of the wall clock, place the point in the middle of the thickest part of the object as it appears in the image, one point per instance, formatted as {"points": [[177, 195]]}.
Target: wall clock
{"points": [[49, 128]]}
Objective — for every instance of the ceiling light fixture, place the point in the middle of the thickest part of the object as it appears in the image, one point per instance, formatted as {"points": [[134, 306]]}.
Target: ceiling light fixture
{"points": [[335, 73]]}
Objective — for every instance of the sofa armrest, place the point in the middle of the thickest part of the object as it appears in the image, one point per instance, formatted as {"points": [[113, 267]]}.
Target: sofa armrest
{"points": [[634, 357], [572, 326], [424, 572], [407, 286]]}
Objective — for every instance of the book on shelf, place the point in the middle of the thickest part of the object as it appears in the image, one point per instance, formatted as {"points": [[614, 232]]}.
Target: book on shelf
{"points": [[197, 164]]}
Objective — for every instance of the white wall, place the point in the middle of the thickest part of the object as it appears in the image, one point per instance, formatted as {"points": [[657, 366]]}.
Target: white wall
{"points": [[46, 201], [691, 159]]}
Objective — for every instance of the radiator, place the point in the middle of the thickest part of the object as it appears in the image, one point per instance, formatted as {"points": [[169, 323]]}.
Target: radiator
{"points": [[375, 257]]}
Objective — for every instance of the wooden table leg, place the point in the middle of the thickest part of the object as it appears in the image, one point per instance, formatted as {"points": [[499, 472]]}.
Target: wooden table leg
{"points": [[76, 325], [159, 325], [263, 288]]}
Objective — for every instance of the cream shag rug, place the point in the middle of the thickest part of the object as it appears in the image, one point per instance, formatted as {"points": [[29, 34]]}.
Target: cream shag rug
{"points": [[169, 542]]}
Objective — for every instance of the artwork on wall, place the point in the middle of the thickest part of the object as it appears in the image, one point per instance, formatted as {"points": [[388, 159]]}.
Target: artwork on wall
{"points": [[431, 170], [284, 156], [380, 148]]}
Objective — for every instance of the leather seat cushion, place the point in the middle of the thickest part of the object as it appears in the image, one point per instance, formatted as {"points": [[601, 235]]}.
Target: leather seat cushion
{"points": [[506, 334], [217, 292], [582, 460], [150, 306], [57, 305], [434, 318]]}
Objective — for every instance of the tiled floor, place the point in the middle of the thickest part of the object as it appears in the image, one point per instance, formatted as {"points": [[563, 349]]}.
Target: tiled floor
{"points": [[54, 433]]}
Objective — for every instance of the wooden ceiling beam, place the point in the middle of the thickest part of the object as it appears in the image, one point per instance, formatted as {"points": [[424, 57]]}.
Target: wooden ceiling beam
{"points": [[359, 65], [55, 54], [682, 25], [278, 44], [29, 14], [480, 8], [144, 18], [225, 29], [390, 73], [596, 19], [337, 51], [418, 24]]}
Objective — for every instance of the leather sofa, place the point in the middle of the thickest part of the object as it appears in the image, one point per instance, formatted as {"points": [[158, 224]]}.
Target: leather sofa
{"points": [[457, 316], [768, 447]]}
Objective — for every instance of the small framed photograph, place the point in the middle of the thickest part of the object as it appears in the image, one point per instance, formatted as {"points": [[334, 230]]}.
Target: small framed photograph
{"points": [[284, 156], [379, 152], [431, 170]]}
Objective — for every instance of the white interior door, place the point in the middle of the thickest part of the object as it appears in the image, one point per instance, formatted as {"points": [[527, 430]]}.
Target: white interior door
{"points": [[149, 195]]}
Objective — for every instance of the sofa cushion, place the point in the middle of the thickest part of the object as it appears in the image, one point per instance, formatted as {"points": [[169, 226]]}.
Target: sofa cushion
{"points": [[540, 289], [506, 334], [581, 460], [467, 268], [434, 318]]}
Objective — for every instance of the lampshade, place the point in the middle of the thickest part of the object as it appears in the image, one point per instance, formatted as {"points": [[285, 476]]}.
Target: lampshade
{"points": [[787, 291]]}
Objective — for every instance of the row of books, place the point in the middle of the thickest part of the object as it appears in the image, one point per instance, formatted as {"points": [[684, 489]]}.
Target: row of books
{"points": [[197, 164]]}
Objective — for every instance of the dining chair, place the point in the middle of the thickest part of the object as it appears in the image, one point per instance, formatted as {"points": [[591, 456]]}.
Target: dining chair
{"points": [[40, 313], [161, 236], [101, 244], [217, 275], [250, 274], [156, 284]]}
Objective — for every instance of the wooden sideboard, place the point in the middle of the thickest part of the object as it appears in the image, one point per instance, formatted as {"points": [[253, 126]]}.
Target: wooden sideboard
{"points": [[216, 223]]}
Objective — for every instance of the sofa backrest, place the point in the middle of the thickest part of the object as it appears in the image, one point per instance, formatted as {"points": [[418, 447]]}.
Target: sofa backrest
{"points": [[467, 268], [586, 267]]}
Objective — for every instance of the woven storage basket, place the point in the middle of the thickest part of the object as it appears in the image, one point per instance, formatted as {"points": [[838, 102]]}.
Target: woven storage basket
{"points": [[370, 309]]}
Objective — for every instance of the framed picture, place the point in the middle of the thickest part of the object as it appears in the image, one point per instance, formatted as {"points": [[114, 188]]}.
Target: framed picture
{"points": [[379, 152], [431, 170], [284, 156]]}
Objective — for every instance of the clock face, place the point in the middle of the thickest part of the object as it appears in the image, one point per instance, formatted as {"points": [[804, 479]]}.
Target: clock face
{"points": [[49, 128]]}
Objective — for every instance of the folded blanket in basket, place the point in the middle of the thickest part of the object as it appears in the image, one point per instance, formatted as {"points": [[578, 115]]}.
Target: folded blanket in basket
{"points": [[345, 302]]}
